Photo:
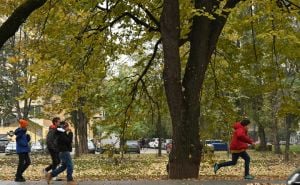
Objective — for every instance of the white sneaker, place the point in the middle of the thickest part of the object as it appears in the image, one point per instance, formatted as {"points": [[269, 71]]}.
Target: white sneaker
{"points": [[54, 178]]}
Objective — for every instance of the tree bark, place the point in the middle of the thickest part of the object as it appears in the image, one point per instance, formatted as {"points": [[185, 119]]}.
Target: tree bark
{"points": [[257, 106], [183, 97], [82, 132], [288, 124], [80, 123], [17, 18], [275, 105]]}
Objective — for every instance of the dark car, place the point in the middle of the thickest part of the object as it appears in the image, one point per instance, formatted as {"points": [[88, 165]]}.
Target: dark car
{"points": [[3, 143], [294, 178], [132, 146]]}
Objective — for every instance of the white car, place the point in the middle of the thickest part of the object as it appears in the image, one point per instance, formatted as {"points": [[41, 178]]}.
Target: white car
{"points": [[36, 147], [154, 143], [11, 148]]}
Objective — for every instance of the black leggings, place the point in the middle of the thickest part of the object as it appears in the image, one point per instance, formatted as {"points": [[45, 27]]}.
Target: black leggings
{"points": [[24, 162], [235, 156]]}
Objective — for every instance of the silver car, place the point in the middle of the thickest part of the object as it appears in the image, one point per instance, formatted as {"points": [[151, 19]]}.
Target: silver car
{"points": [[11, 148]]}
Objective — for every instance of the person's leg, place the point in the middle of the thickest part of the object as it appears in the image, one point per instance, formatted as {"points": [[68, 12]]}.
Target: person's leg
{"points": [[246, 157], [26, 163], [55, 160], [69, 164], [233, 161], [52, 154], [62, 167], [20, 166]]}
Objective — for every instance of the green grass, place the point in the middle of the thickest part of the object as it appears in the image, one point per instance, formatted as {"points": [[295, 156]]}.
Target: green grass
{"points": [[293, 148]]}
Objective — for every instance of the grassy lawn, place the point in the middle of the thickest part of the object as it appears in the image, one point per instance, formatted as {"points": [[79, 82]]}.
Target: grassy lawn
{"points": [[293, 148], [149, 166]]}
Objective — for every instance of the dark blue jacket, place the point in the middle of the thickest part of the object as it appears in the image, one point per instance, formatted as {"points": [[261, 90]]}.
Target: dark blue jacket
{"points": [[22, 140]]}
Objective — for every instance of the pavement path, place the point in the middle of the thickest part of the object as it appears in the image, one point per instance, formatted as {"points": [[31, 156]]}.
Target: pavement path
{"points": [[156, 182]]}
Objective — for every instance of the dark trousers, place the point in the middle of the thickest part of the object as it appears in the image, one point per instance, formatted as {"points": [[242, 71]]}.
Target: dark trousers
{"points": [[55, 160], [24, 162], [235, 156]]}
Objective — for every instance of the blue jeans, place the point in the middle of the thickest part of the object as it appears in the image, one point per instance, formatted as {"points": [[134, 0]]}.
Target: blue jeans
{"points": [[66, 163], [235, 156]]}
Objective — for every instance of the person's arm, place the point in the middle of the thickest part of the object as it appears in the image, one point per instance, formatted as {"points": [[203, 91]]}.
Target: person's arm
{"points": [[241, 135]]}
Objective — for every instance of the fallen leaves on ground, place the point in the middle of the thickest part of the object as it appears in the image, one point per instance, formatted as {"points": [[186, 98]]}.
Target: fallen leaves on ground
{"points": [[148, 166]]}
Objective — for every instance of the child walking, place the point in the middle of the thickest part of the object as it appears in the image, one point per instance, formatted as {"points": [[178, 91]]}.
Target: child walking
{"points": [[22, 149], [238, 146]]}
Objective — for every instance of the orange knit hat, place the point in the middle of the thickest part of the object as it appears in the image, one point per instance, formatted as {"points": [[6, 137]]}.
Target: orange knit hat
{"points": [[23, 123]]}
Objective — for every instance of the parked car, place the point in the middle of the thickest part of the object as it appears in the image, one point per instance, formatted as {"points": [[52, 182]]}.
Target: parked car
{"points": [[132, 146], [11, 148], [218, 145], [294, 178], [91, 147], [37, 147], [154, 143], [3, 143], [109, 142]]}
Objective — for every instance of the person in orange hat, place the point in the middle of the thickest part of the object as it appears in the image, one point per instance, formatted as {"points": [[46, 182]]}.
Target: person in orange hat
{"points": [[23, 149]]}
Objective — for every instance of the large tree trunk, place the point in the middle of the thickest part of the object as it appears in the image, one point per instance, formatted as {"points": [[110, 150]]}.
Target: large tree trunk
{"points": [[82, 132], [183, 97], [288, 125], [80, 123], [12, 24]]}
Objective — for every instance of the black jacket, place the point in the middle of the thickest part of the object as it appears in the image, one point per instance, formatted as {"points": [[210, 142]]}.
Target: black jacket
{"points": [[51, 139], [64, 140]]}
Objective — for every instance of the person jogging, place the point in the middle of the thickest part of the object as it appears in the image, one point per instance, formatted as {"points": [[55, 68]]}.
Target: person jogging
{"points": [[238, 147]]}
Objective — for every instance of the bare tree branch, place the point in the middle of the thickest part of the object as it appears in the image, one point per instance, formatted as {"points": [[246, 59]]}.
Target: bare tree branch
{"points": [[151, 16], [147, 66]]}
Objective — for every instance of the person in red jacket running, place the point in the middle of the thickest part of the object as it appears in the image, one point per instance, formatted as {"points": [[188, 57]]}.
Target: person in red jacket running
{"points": [[238, 147]]}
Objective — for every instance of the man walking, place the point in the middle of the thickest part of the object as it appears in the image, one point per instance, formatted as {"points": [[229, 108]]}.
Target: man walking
{"points": [[64, 145], [51, 142]]}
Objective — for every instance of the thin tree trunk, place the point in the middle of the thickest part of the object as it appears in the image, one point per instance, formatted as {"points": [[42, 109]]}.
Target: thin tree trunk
{"points": [[288, 124], [75, 122], [159, 129], [274, 105]]}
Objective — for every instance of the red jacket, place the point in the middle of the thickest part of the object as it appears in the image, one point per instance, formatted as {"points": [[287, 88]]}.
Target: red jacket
{"points": [[240, 138]]}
